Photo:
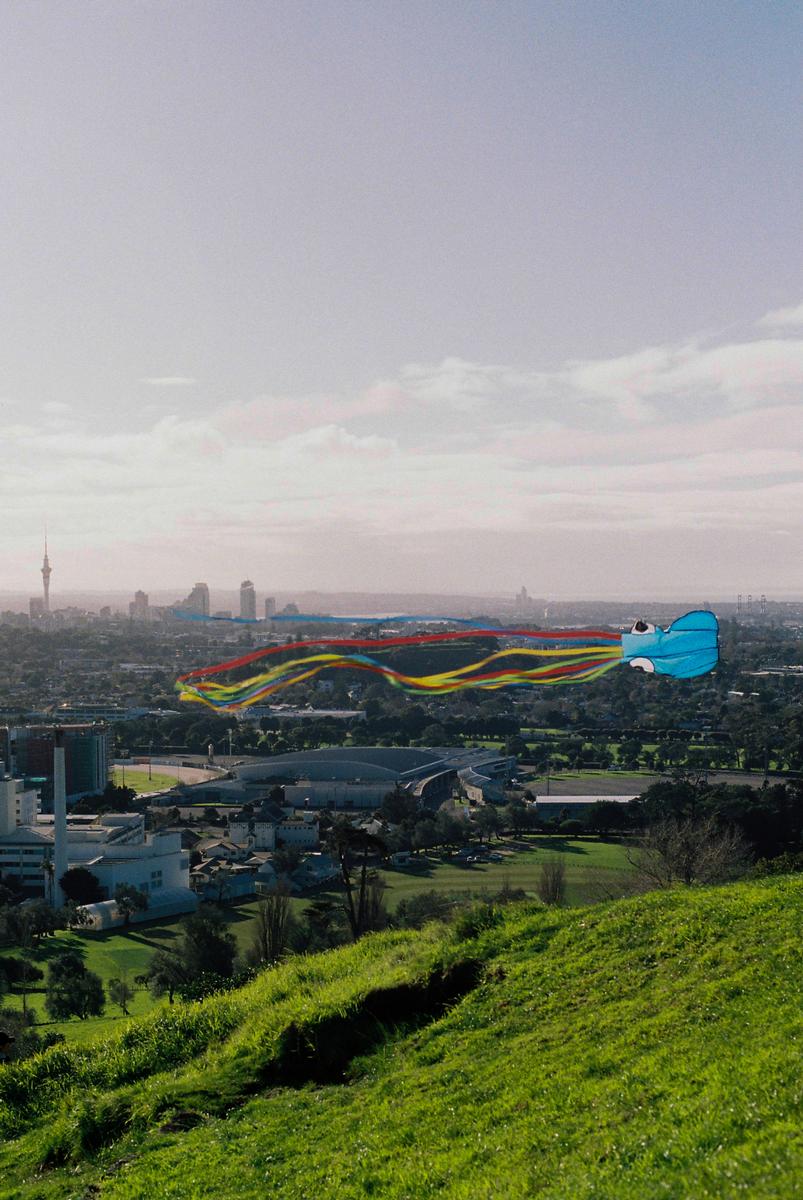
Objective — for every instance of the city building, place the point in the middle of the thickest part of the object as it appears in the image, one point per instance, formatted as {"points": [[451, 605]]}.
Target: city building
{"points": [[37, 849], [19, 803], [139, 608], [248, 600], [197, 601], [268, 828], [28, 752], [114, 847], [288, 712], [270, 607]]}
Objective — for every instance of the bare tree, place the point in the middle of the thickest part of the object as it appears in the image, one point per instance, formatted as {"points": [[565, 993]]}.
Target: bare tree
{"points": [[691, 852], [272, 931], [375, 914], [551, 884]]}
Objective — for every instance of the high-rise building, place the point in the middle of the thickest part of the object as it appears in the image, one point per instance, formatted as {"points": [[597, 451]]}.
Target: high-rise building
{"points": [[27, 751], [197, 601], [248, 600], [139, 609], [47, 571], [270, 607]]}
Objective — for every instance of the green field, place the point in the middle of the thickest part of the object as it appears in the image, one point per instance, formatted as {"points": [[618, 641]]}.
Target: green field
{"points": [[643, 1048], [139, 781], [594, 869], [586, 860]]}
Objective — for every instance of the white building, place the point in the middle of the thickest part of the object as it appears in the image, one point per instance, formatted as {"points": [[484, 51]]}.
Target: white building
{"points": [[269, 827], [114, 847], [303, 834], [18, 805]]}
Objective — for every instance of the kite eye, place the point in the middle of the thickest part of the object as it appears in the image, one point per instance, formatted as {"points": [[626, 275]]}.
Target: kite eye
{"points": [[643, 664], [643, 627]]}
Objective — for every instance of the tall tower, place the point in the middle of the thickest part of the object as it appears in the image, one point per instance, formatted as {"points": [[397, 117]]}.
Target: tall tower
{"points": [[60, 863], [47, 571]]}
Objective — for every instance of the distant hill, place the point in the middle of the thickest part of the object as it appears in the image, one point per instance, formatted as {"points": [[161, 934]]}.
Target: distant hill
{"points": [[644, 1048]]}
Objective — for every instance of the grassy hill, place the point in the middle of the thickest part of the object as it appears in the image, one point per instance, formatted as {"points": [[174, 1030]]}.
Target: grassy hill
{"points": [[594, 868], [643, 1048]]}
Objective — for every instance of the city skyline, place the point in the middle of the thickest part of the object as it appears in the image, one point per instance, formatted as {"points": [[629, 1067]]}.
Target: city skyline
{"points": [[376, 298]]}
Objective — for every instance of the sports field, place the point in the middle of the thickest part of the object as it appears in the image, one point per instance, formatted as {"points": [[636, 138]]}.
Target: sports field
{"points": [[138, 779]]}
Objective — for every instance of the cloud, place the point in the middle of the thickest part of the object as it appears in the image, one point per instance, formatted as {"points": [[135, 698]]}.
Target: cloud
{"points": [[783, 318], [169, 381], [669, 439], [334, 439]]}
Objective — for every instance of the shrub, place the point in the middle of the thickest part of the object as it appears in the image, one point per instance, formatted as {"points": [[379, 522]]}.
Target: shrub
{"points": [[475, 920], [571, 827]]}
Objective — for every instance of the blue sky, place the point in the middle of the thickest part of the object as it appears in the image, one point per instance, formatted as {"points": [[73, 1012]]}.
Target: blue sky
{"points": [[452, 296]]}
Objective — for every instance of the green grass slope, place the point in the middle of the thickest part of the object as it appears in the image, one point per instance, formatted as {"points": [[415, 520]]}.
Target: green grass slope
{"points": [[644, 1048]]}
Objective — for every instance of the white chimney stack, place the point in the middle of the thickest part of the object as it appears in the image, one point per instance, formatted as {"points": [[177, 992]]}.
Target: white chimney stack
{"points": [[59, 819]]}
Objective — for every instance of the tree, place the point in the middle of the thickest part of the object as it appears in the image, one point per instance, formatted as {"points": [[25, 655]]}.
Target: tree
{"points": [[450, 830], [425, 834], [690, 852], [515, 816], [165, 974], [19, 971], [74, 916], [72, 990], [551, 883], [130, 899], [120, 991], [488, 821], [516, 746], [605, 816], [398, 806], [81, 886], [324, 924], [348, 844], [286, 859], [206, 944], [273, 926]]}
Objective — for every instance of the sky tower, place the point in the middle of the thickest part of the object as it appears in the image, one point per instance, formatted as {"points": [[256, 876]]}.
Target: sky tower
{"points": [[47, 571]]}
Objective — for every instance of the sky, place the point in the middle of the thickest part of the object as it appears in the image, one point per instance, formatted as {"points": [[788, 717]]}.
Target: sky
{"points": [[396, 296]]}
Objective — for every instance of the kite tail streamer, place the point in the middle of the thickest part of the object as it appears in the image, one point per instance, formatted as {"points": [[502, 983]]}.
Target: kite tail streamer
{"points": [[578, 658]]}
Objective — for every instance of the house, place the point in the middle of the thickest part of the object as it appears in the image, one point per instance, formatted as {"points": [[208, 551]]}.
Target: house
{"points": [[298, 833], [221, 848], [315, 870], [256, 828]]}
